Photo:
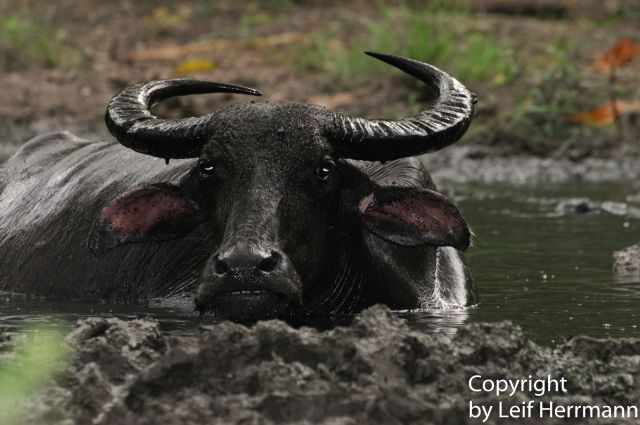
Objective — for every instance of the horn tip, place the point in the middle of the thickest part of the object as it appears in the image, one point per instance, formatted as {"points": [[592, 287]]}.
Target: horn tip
{"points": [[399, 62], [377, 55]]}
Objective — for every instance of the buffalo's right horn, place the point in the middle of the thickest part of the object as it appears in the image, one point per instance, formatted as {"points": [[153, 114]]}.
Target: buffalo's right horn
{"points": [[130, 120]]}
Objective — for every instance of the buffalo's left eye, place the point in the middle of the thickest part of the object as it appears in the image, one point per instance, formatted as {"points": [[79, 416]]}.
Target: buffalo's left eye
{"points": [[206, 168], [325, 169]]}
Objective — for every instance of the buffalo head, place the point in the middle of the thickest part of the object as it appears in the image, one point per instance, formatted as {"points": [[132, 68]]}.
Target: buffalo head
{"points": [[274, 185]]}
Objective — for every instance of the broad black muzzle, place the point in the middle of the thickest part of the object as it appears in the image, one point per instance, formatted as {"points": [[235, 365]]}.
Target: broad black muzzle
{"points": [[245, 282]]}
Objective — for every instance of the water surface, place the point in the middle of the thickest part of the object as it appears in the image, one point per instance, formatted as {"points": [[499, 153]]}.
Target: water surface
{"points": [[546, 269]]}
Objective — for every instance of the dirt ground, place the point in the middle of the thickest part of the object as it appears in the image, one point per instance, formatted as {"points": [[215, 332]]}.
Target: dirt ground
{"points": [[60, 62]]}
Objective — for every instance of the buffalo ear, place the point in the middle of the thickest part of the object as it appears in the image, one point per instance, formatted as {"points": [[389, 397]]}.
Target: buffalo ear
{"points": [[411, 217], [156, 212]]}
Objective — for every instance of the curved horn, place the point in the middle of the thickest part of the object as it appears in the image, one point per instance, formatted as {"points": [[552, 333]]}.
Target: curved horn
{"points": [[130, 120], [436, 128]]}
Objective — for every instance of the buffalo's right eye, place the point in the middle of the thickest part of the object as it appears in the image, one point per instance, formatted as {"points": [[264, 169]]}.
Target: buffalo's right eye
{"points": [[325, 169], [206, 168]]}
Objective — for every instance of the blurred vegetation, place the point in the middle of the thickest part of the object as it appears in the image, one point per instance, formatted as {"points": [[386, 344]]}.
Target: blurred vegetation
{"points": [[211, 7], [425, 34], [538, 124], [27, 42], [532, 70], [33, 363]]}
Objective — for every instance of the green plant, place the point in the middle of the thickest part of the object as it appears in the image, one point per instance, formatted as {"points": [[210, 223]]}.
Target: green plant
{"points": [[424, 34], [26, 42], [484, 59], [35, 360], [539, 124]]}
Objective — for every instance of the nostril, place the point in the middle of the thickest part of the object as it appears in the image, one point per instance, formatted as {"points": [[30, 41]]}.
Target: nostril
{"points": [[270, 263], [221, 267]]}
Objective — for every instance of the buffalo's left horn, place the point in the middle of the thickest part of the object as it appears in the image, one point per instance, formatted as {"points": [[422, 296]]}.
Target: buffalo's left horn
{"points": [[431, 130], [130, 120]]}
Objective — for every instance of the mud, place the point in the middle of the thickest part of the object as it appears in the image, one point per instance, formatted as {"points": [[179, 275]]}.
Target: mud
{"points": [[626, 262], [477, 164], [375, 371], [582, 206]]}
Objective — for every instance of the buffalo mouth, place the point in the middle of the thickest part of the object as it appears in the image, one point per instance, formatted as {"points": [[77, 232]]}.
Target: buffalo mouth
{"points": [[245, 304]]}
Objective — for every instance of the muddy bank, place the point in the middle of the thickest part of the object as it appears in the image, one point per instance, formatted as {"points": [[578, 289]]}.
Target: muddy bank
{"points": [[473, 164], [376, 371]]}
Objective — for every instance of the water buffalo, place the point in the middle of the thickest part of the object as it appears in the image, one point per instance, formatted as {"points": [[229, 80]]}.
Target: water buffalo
{"points": [[267, 210]]}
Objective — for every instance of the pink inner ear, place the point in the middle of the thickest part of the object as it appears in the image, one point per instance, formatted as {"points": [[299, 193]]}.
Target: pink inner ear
{"points": [[143, 210], [412, 216], [425, 215]]}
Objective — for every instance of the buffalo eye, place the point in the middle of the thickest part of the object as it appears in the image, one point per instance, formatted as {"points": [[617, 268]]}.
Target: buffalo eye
{"points": [[206, 168], [325, 169]]}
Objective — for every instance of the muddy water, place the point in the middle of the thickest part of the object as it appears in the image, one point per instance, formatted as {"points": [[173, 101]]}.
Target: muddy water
{"points": [[540, 260]]}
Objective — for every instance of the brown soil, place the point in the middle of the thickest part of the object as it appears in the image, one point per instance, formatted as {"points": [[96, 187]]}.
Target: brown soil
{"points": [[111, 44]]}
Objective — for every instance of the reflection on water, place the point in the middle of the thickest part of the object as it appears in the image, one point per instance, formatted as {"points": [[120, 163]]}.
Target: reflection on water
{"points": [[544, 269]]}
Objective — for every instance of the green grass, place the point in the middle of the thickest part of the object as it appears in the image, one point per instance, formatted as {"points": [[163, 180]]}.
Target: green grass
{"points": [[435, 35], [27, 42], [36, 360]]}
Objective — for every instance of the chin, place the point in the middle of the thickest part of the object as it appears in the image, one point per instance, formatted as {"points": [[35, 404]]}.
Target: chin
{"points": [[250, 306]]}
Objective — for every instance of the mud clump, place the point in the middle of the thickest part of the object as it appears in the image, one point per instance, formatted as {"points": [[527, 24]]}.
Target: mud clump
{"points": [[375, 371], [584, 206], [626, 262]]}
